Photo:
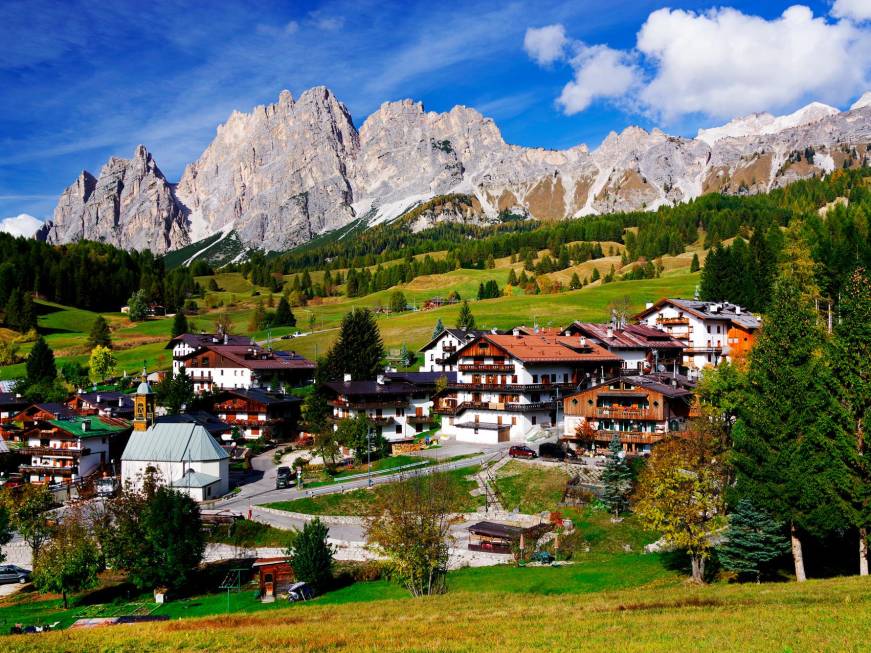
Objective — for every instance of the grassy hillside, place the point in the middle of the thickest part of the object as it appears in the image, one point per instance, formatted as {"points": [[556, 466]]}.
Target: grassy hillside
{"points": [[538, 610]]}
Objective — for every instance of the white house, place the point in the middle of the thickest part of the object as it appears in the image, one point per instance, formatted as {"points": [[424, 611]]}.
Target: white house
{"points": [[509, 386], [185, 457], [642, 348], [710, 331], [438, 353], [224, 362]]}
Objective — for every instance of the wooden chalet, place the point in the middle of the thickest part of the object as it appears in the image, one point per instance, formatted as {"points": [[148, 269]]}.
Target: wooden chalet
{"points": [[640, 410], [258, 413]]}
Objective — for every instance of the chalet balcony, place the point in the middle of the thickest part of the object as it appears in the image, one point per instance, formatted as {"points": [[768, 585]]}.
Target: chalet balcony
{"points": [[513, 387], [449, 349], [57, 452], [703, 350], [626, 437], [48, 470], [511, 407], [486, 367], [673, 321], [619, 412], [420, 419], [362, 405], [381, 420]]}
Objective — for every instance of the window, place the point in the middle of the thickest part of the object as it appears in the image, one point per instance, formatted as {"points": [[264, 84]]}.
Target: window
{"points": [[534, 419], [718, 328], [709, 328], [398, 428], [535, 378], [513, 378]]}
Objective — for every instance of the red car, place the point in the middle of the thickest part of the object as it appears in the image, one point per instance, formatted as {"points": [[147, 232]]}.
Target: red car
{"points": [[521, 451]]}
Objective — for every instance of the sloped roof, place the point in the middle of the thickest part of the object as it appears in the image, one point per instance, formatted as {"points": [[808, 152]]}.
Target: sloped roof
{"points": [[167, 442], [459, 334], [195, 479], [541, 348], [256, 358], [630, 336], [262, 396], [207, 339], [97, 427], [703, 310]]}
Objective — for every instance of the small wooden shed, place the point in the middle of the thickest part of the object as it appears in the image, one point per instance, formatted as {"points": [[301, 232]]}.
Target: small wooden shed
{"points": [[493, 537], [275, 575]]}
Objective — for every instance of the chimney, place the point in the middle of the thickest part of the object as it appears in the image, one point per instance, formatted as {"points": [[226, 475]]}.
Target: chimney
{"points": [[86, 425], [610, 332], [494, 331], [583, 341], [648, 305], [379, 379], [515, 332], [98, 399], [225, 339], [347, 378], [737, 310]]}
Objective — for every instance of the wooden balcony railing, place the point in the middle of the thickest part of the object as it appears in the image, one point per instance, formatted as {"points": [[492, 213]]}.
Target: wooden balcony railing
{"points": [[57, 452], [486, 367]]}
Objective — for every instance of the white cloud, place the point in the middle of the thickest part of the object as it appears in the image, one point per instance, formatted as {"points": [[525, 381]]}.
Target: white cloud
{"points": [[545, 44], [600, 72], [20, 225], [291, 28], [857, 10], [722, 63]]}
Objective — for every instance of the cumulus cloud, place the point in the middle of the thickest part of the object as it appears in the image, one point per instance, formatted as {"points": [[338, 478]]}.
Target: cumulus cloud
{"points": [[545, 44], [20, 225], [722, 62], [600, 72], [857, 10]]}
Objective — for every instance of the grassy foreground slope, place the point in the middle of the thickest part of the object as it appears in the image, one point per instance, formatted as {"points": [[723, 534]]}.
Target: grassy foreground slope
{"points": [[825, 615]]}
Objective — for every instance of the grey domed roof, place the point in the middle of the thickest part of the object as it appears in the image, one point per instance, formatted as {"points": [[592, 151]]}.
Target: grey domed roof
{"points": [[144, 389]]}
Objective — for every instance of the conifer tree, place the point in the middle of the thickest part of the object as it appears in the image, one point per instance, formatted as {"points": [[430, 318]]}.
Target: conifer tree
{"points": [[789, 451], [617, 478], [851, 344], [595, 276], [752, 541], [179, 323], [357, 351], [40, 363], [439, 327], [465, 320], [575, 283], [512, 278], [283, 315], [100, 334], [694, 265]]}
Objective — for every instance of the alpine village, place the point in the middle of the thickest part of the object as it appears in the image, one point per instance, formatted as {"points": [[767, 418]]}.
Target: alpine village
{"points": [[398, 385]]}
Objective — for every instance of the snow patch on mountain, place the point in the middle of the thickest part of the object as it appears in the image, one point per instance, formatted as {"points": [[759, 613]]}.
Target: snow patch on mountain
{"points": [[757, 124]]}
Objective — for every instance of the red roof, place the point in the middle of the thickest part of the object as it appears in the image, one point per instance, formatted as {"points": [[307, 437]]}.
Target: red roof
{"points": [[541, 348]]}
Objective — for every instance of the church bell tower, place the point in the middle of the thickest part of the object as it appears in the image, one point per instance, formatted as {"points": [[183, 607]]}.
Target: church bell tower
{"points": [[143, 405]]}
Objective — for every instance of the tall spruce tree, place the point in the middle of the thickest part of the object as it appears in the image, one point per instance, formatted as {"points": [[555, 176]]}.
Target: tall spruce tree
{"points": [[179, 323], [617, 478], [358, 350], [438, 328], [789, 452], [283, 315], [753, 540], [40, 363], [465, 320], [848, 355], [100, 334]]}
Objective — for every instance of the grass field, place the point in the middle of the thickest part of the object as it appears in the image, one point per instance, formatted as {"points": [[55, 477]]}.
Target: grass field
{"points": [[360, 502], [530, 488], [508, 609]]}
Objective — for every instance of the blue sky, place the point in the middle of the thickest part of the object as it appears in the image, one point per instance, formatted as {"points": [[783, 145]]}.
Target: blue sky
{"points": [[80, 82]]}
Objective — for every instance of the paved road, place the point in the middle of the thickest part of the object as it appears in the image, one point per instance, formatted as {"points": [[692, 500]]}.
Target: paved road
{"points": [[261, 489]]}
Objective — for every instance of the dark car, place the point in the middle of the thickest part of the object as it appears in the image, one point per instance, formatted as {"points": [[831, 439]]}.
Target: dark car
{"points": [[13, 574], [284, 478], [521, 451], [556, 451]]}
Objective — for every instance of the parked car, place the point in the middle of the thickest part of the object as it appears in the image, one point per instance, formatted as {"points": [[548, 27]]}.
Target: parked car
{"points": [[521, 451], [286, 336], [283, 478], [13, 574]]}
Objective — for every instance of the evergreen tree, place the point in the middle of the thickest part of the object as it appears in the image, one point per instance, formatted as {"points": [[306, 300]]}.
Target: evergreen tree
{"points": [[100, 334], [283, 314], [617, 478], [258, 317], [357, 351], [763, 270], [439, 327], [12, 312], [512, 278], [595, 276], [789, 450], [179, 323], [40, 364], [694, 265], [481, 294], [465, 320], [27, 316], [753, 540], [851, 343], [311, 556], [575, 283]]}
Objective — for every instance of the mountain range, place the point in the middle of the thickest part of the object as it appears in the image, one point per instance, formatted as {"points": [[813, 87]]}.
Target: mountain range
{"points": [[290, 171]]}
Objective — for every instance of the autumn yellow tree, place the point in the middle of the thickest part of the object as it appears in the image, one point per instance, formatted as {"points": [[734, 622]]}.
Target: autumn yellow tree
{"points": [[681, 491]]}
